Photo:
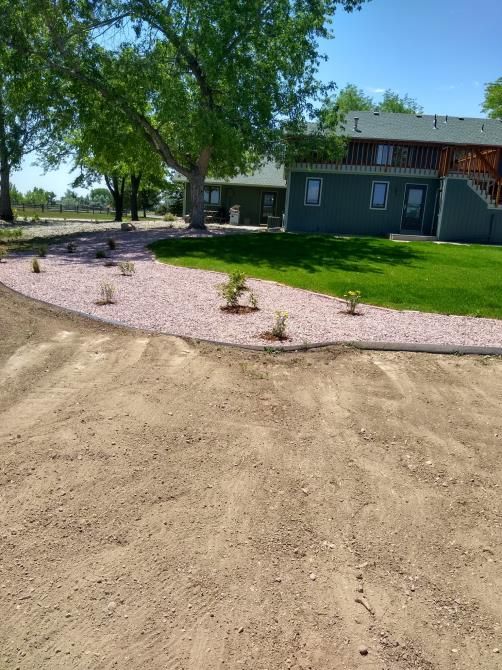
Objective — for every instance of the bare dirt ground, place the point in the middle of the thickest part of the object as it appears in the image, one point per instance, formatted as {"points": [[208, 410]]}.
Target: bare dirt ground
{"points": [[169, 505]]}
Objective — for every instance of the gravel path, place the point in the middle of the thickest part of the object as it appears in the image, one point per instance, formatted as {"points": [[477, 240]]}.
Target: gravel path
{"points": [[185, 302]]}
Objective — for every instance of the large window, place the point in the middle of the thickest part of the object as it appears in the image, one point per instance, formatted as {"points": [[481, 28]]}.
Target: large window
{"points": [[313, 189], [384, 154], [212, 195], [379, 194]]}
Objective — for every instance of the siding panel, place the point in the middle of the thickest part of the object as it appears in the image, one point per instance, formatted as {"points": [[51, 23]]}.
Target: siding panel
{"points": [[345, 205]]}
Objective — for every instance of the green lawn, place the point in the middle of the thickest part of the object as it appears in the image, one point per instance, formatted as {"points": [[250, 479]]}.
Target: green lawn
{"points": [[429, 277]]}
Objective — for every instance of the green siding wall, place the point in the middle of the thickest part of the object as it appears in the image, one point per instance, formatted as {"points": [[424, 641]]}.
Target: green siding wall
{"points": [[249, 198], [345, 204], [466, 217]]}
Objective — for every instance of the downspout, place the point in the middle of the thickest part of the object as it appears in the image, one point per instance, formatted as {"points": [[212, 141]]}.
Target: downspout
{"points": [[444, 184], [288, 191]]}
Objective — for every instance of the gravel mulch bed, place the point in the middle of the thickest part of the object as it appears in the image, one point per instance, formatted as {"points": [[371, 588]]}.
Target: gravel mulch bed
{"points": [[185, 302]]}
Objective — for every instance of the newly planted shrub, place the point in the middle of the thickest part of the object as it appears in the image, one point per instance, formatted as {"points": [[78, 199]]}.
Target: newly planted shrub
{"points": [[35, 266], [41, 250], [352, 300], [107, 293], [279, 328], [169, 217], [112, 244], [253, 300], [232, 290], [127, 268]]}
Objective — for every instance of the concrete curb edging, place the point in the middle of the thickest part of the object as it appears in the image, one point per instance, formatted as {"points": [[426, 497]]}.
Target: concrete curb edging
{"points": [[445, 349]]}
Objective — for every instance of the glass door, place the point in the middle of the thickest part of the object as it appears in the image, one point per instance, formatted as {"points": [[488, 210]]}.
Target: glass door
{"points": [[267, 206], [414, 205]]}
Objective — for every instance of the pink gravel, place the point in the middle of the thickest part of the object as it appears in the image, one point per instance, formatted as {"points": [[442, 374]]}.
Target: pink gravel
{"points": [[185, 302]]}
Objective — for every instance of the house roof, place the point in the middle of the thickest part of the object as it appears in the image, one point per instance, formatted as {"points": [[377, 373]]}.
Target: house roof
{"points": [[420, 128], [268, 175]]}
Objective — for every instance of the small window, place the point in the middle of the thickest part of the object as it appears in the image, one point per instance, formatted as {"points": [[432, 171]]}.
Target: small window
{"points": [[313, 191], [379, 194], [212, 195]]}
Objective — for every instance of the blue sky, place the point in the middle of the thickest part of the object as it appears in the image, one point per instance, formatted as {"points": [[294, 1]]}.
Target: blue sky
{"points": [[441, 52]]}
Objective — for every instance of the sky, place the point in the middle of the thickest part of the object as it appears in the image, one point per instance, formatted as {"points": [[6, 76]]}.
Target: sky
{"points": [[441, 52]]}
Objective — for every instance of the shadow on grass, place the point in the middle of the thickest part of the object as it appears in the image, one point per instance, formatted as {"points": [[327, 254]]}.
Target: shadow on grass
{"points": [[286, 252]]}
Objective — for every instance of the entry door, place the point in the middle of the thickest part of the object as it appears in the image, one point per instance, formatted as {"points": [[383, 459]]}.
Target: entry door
{"points": [[267, 205], [414, 205]]}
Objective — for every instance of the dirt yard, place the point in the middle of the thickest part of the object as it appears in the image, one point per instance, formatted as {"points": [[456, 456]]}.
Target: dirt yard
{"points": [[174, 506]]}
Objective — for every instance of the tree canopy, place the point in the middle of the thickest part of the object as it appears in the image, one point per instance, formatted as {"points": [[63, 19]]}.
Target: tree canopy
{"points": [[209, 84], [352, 99], [492, 104]]}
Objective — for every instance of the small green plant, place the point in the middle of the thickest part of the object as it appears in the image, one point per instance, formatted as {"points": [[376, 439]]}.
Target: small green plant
{"points": [[279, 328], [107, 293], [169, 217], [35, 266], [71, 247], [10, 234], [112, 244], [101, 253], [35, 218], [232, 290], [352, 300], [253, 300], [127, 268], [41, 250]]}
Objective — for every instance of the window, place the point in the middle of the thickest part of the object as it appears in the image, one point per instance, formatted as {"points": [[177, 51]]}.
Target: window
{"points": [[212, 195], [384, 154], [313, 191], [379, 193]]}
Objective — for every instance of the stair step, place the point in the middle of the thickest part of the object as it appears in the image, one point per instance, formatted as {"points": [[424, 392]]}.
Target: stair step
{"points": [[404, 237]]}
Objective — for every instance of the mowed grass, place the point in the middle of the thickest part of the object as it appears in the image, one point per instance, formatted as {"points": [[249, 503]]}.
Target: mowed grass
{"points": [[446, 278]]}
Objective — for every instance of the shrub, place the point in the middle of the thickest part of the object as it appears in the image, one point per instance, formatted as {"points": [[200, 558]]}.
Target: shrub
{"points": [[127, 268], [41, 250], [10, 234], [107, 294], [35, 266], [253, 300], [101, 253], [3, 252], [71, 247], [35, 218], [112, 245], [169, 217], [279, 327], [232, 290], [352, 300]]}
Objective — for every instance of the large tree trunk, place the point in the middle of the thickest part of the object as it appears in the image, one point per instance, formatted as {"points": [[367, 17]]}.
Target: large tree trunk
{"points": [[197, 202], [135, 182], [116, 186], [6, 213]]}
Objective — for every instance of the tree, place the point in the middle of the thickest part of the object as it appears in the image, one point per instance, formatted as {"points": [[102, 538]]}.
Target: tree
{"points": [[352, 99], [492, 104], [24, 99], [39, 196], [208, 83], [393, 102], [15, 195], [100, 197]]}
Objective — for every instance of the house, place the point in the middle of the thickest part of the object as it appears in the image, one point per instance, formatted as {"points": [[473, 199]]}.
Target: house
{"points": [[259, 195], [402, 174]]}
